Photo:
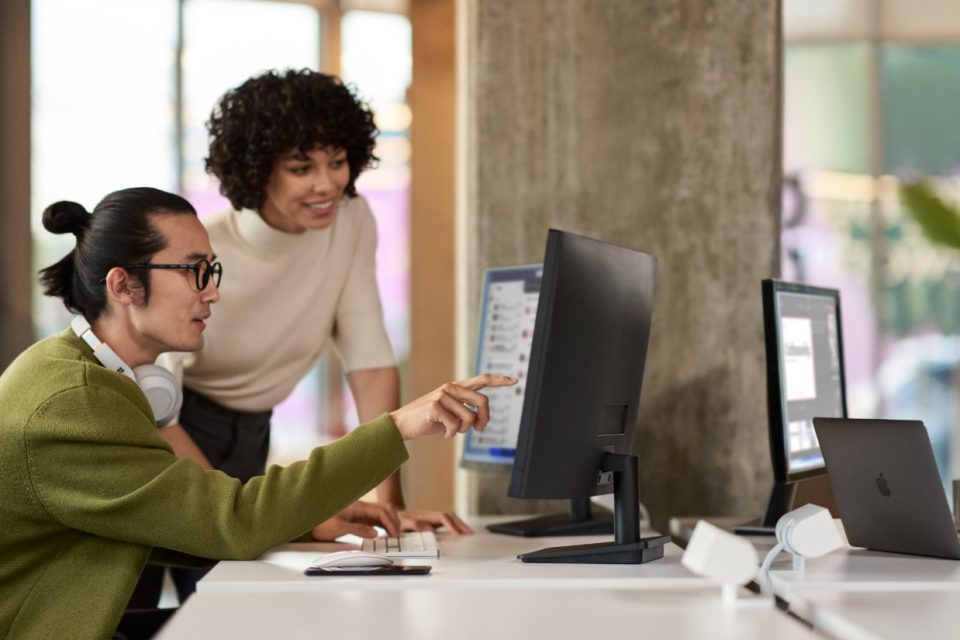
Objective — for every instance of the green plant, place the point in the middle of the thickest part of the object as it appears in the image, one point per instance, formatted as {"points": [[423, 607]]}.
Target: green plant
{"points": [[939, 220]]}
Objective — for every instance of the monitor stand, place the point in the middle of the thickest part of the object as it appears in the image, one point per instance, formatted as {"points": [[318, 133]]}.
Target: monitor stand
{"points": [[581, 521], [628, 547], [780, 502]]}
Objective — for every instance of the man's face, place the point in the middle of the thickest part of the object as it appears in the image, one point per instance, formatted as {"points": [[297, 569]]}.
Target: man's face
{"points": [[173, 319], [304, 189]]}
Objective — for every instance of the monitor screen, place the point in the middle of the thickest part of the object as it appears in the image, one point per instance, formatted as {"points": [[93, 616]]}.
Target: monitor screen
{"points": [[805, 349], [509, 308]]}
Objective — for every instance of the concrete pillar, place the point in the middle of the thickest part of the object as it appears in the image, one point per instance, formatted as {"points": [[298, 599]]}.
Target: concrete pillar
{"points": [[654, 125]]}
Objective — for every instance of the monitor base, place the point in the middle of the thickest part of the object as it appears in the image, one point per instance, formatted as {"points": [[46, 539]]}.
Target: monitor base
{"points": [[581, 521], [754, 528], [644, 550], [627, 547]]}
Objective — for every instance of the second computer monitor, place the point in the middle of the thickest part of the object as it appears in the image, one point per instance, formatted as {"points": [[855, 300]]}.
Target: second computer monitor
{"points": [[805, 379], [510, 296]]}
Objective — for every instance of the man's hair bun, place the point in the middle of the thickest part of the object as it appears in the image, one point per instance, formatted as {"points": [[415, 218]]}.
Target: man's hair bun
{"points": [[66, 217]]}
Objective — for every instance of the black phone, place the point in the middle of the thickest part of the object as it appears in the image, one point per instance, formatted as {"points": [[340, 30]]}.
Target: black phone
{"points": [[383, 570]]}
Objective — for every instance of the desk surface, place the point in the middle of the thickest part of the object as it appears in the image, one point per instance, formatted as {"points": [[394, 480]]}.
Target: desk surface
{"points": [[890, 615], [864, 570], [480, 561], [436, 614]]}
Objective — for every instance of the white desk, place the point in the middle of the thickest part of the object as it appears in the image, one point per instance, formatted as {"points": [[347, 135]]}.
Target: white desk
{"points": [[480, 561], [463, 614], [863, 570], [858, 594], [875, 615], [478, 590]]}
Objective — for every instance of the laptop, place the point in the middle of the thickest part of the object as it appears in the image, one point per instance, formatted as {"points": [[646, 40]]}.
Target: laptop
{"points": [[887, 486]]}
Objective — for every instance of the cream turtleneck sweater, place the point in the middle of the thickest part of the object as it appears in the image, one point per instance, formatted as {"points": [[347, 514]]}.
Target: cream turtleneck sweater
{"points": [[284, 297]]}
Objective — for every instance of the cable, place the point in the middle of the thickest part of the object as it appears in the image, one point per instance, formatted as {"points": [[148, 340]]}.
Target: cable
{"points": [[763, 574]]}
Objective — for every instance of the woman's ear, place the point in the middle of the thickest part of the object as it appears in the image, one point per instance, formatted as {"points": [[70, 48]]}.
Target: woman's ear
{"points": [[122, 289]]}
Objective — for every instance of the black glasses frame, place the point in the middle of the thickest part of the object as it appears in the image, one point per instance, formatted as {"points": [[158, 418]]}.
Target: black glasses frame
{"points": [[203, 271]]}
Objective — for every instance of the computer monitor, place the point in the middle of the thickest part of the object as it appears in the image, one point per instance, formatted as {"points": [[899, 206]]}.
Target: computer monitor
{"points": [[510, 296], [510, 299], [805, 379], [583, 390]]}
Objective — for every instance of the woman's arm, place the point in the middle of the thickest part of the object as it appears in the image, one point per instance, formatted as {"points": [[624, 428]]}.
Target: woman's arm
{"points": [[183, 445], [377, 391]]}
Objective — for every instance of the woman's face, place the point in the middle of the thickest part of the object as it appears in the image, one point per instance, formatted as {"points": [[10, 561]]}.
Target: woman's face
{"points": [[304, 189]]}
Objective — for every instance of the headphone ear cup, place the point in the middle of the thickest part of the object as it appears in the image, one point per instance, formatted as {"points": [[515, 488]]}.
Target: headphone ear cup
{"points": [[162, 390]]}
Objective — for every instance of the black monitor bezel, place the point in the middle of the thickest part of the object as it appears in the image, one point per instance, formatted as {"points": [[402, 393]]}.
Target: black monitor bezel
{"points": [[775, 404]]}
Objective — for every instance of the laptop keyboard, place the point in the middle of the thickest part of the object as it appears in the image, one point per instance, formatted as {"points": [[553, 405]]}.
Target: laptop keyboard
{"points": [[410, 544]]}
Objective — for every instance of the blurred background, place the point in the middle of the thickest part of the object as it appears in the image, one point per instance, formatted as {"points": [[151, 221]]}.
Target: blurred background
{"points": [[121, 89], [871, 99], [161, 65]]}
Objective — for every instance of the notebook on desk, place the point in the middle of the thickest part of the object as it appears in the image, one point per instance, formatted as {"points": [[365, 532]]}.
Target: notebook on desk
{"points": [[887, 486]]}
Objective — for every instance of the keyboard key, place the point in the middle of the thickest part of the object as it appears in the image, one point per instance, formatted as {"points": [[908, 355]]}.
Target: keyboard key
{"points": [[410, 544]]}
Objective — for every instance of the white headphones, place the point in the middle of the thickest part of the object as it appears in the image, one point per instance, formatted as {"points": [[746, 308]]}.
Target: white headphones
{"points": [[161, 387]]}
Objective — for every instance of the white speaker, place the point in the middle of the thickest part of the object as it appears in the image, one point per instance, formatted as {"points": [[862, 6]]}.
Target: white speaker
{"points": [[718, 554], [161, 387], [806, 532], [809, 532]]}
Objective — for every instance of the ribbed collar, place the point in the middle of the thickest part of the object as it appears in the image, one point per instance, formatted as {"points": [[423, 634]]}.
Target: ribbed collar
{"points": [[269, 242]]}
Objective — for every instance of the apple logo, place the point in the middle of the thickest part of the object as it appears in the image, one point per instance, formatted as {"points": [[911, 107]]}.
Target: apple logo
{"points": [[882, 486]]}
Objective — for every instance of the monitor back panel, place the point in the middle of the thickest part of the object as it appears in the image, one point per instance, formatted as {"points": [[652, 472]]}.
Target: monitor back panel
{"points": [[887, 486], [586, 366]]}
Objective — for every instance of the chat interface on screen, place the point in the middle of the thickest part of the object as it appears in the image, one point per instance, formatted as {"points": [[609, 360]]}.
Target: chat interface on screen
{"points": [[506, 335], [810, 372]]}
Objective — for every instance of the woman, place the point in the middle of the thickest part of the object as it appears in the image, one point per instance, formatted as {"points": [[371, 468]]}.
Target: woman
{"points": [[89, 491], [287, 149]]}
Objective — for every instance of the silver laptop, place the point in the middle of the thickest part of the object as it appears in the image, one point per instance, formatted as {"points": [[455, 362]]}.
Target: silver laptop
{"points": [[887, 486]]}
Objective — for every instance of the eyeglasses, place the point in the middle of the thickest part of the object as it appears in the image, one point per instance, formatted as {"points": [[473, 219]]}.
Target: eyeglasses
{"points": [[203, 271]]}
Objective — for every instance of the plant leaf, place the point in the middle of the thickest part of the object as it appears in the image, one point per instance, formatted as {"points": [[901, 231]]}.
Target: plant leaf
{"points": [[939, 220]]}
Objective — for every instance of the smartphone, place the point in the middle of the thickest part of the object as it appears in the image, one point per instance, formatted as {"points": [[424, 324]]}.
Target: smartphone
{"points": [[384, 570]]}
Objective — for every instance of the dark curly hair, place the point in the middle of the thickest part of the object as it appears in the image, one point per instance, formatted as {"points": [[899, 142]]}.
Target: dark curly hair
{"points": [[275, 112]]}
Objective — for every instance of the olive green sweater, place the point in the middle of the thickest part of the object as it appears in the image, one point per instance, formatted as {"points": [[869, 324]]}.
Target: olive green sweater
{"points": [[88, 490]]}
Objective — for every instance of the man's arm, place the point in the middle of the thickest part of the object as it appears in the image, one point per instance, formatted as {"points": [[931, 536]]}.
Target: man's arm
{"points": [[376, 391]]}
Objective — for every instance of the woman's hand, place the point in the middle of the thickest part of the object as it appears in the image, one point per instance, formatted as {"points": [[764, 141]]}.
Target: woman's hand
{"points": [[451, 409], [430, 520], [359, 520]]}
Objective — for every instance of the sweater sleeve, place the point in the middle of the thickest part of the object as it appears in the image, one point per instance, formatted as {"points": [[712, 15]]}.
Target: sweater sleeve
{"points": [[359, 334], [97, 465]]}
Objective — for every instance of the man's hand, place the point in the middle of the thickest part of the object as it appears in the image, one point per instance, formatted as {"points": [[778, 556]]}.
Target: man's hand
{"points": [[358, 519], [447, 409], [430, 520]]}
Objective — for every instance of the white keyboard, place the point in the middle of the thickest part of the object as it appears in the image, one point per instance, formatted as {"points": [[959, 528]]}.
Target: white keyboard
{"points": [[410, 544]]}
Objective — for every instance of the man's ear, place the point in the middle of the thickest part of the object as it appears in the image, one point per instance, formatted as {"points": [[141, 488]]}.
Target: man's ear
{"points": [[122, 289]]}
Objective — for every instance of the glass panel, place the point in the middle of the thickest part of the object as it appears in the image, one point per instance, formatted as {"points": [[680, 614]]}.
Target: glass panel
{"points": [[377, 58], [102, 115], [921, 100], [825, 108], [808, 19], [226, 42], [920, 368]]}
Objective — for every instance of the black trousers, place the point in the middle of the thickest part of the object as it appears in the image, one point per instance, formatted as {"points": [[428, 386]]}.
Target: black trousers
{"points": [[235, 442]]}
